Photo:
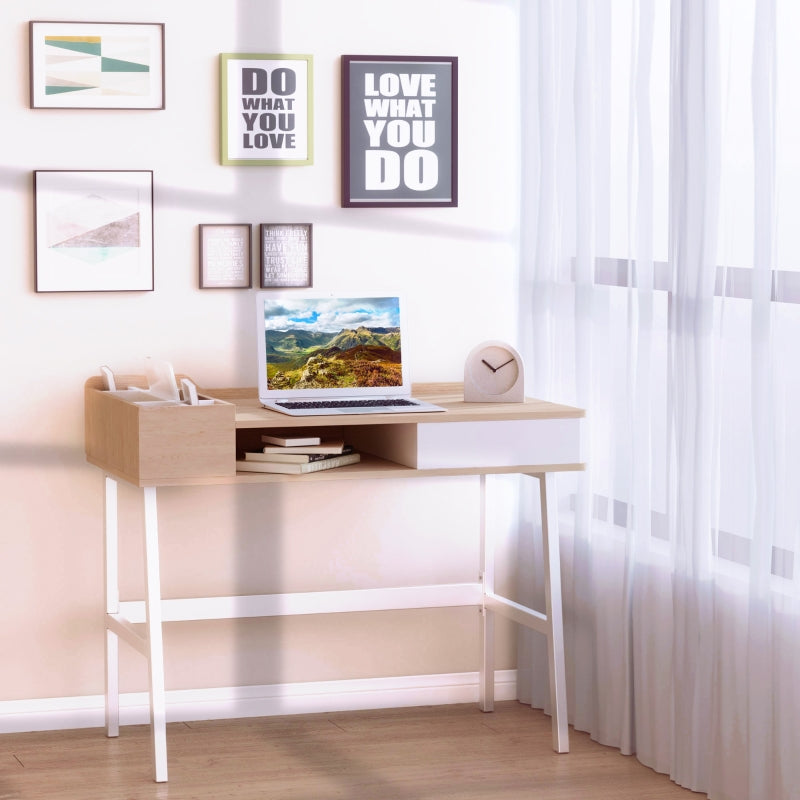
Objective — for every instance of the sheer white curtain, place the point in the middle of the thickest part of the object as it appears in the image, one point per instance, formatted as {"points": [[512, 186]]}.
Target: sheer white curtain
{"points": [[661, 292]]}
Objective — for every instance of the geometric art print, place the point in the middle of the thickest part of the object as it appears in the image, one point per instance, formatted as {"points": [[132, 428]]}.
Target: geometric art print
{"points": [[93, 230], [117, 65], [97, 65]]}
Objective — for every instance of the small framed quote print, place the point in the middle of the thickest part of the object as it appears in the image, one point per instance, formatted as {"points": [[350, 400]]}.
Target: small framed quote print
{"points": [[265, 109], [286, 255], [225, 256], [97, 65], [399, 131]]}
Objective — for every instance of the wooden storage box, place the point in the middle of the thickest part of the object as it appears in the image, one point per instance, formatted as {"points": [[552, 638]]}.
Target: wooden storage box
{"points": [[153, 445]]}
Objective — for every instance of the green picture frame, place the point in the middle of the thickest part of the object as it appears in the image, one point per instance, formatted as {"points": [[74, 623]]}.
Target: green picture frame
{"points": [[266, 109]]}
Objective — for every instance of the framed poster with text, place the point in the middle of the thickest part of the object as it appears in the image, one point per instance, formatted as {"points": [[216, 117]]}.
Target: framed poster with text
{"points": [[225, 254], [399, 131], [266, 115], [286, 255]]}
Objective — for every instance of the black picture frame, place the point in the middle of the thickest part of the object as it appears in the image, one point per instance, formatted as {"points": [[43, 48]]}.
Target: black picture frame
{"points": [[399, 131], [286, 255], [93, 230]]}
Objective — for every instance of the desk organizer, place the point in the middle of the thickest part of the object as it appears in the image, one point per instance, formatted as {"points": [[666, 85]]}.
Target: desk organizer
{"points": [[148, 445]]}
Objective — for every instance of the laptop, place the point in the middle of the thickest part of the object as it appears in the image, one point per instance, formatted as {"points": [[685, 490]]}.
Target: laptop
{"points": [[320, 355]]}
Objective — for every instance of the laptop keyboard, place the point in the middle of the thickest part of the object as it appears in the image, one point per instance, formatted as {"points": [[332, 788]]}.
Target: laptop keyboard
{"points": [[385, 402]]}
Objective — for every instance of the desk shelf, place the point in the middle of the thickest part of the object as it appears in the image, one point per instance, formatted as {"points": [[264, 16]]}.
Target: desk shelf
{"points": [[152, 448]]}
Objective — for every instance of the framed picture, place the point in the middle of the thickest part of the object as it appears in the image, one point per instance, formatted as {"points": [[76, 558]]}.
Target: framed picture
{"points": [[286, 255], [266, 109], [399, 131], [93, 231], [97, 65], [225, 256]]}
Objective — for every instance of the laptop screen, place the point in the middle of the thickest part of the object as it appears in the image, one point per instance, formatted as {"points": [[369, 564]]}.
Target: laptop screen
{"points": [[329, 346]]}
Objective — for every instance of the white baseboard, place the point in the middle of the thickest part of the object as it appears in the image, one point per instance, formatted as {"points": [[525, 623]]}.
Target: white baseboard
{"points": [[61, 713]]}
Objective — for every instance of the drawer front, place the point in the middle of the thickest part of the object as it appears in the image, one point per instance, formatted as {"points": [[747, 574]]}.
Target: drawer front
{"points": [[499, 443]]}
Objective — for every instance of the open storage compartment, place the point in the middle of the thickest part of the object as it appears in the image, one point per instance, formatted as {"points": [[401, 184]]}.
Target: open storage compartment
{"points": [[152, 444]]}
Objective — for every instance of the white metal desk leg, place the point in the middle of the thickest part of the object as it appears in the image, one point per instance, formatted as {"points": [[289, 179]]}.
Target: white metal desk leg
{"points": [[111, 554], [155, 655], [486, 677], [555, 634]]}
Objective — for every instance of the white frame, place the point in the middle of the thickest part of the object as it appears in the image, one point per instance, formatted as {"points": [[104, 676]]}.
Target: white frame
{"points": [[153, 611]]}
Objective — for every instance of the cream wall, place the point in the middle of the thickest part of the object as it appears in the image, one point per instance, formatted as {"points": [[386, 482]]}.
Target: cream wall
{"points": [[457, 267]]}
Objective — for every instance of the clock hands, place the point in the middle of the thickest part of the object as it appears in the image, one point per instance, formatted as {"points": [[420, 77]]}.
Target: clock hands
{"points": [[494, 369]]}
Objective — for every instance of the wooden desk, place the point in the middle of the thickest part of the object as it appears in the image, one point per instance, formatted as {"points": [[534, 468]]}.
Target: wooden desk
{"points": [[153, 447]]}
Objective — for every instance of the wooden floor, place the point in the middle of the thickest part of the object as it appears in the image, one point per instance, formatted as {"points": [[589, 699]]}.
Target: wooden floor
{"points": [[430, 753]]}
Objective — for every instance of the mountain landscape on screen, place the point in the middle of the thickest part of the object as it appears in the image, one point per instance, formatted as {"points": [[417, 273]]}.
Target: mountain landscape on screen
{"points": [[349, 357]]}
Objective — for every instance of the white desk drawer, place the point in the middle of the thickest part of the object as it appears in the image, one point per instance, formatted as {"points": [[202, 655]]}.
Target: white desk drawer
{"points": [[472, 445], [498, 443]]}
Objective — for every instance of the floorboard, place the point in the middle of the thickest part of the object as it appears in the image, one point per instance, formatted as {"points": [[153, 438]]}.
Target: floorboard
{"points": [[430, 753]]}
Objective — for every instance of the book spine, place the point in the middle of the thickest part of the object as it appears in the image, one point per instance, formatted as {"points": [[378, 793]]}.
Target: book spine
{"points": [[330, 463], [290, 441], [294, 458], [269, 466], [290, 458], [333, 448], [288, 468]]}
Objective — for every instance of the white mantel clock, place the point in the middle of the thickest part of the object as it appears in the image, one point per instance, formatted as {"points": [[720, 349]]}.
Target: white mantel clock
{"points": [[494, 373]]}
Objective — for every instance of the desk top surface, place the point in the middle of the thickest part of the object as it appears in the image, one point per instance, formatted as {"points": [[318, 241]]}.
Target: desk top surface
{"points": [[251, 414], [172, 445]]}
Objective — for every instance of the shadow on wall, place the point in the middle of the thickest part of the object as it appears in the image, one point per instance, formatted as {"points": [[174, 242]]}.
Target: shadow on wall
{"points": [[23, 454]]}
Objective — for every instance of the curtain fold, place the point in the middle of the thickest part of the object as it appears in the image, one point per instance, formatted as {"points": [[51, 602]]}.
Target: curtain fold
{"points": [[694, 197], [657, 135]]}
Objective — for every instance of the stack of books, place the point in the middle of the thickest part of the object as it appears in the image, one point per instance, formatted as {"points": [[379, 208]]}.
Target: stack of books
{"points": [[297, 455]]}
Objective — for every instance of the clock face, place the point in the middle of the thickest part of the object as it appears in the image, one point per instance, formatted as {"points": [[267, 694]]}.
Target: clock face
{"points": [[493, 370]]}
